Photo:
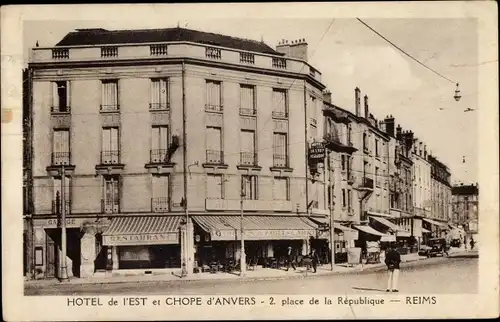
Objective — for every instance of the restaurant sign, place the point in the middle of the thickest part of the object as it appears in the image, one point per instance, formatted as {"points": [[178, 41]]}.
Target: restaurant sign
{"points": [[316, 151], [141, 239], [264, 234]]}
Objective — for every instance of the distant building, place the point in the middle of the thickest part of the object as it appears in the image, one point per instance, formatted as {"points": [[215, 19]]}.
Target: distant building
{"points": [[465, 203], [440, 196]]}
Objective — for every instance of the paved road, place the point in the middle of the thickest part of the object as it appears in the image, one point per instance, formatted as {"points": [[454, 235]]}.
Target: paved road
{"points": [[435, 275]]}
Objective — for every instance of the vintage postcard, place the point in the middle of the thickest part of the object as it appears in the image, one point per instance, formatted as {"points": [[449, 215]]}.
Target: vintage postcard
{"points": [[250, 161]]}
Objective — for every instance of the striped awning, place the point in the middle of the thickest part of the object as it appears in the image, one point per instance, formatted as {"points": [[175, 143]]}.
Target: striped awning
{"points": [[435, 223], [348, 233], [256, 227], [143, 230], [400, 232]]}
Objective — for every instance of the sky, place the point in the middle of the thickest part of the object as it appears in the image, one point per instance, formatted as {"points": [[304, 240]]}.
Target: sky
{"points": [[348, 54]]}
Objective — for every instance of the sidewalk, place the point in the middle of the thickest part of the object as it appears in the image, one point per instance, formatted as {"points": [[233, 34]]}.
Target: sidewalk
{"points": [[258, 274]]}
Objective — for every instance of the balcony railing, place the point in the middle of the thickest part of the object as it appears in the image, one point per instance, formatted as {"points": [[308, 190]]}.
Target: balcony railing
{"points": [[247, 111], [158, 50], [160, 204], [280, 160], [214, 53], [60, 53], [111, 51], [110, 108], [56, 207], [247, 58], [60, 109], [213, 108], [248, 158], [279, 63], [159, 106], [110, 206], [280, 114], [215, 157], [367, 183], [61, 158], [159, 156], [110, 157]]}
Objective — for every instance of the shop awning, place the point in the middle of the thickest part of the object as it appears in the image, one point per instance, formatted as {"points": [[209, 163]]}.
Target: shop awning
{"points": [[435, 223], [143, 230], [369, 230], [348, 233], [425, 231], [379, 214], [457, 228], [256, 227], [400, 232]]}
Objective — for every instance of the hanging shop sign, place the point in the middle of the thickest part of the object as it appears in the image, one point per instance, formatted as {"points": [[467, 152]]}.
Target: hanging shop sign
{"points": [[317, 151]]}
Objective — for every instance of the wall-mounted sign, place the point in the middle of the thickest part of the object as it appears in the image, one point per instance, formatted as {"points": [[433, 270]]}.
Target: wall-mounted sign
{"points": [[141, 239], [317, 151]]}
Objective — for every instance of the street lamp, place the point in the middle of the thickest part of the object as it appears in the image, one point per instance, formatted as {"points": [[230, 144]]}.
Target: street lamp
{"points": [[457, 94], [243, 264]]}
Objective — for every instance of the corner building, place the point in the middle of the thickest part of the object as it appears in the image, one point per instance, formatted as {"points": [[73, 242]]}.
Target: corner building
{"points": [[109, 110]]}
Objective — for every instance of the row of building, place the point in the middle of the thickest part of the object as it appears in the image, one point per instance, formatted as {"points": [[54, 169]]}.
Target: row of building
{"points": [[154, 142]]}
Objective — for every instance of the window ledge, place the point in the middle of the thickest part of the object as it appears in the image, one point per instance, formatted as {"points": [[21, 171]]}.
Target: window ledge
{"points": [[215, 165], [54, 170], [279, 169], [248, 167]]}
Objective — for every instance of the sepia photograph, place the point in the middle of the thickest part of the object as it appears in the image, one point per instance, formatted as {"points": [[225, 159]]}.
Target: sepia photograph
{"points": [[237, 157]]}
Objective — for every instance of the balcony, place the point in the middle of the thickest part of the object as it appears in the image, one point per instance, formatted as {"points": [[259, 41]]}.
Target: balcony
{"points": [[110, 108], [60, 158], [280, 161], [110, 157], [159, 156], [214, 159], [110, 206], [333, 143], [56, 207], [248, 205], [280, 114], [213, 53], [214, 108], [248, 111], [159, 106], [279, 63], [109, 51], [160, 204], [63, 109], [158, 50], [247, 58], [60, 53], [248, 160]]}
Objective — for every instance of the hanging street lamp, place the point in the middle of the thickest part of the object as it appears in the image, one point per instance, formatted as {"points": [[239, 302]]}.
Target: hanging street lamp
{"points": [[457, 94]]}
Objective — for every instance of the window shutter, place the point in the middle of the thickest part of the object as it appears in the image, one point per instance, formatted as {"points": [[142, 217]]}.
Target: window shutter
{"points": [[55, 95], [68, 94]]}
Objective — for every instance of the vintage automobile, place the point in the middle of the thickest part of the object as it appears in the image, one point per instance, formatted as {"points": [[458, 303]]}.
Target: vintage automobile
{"points": [[456, 242], [434, 247]]}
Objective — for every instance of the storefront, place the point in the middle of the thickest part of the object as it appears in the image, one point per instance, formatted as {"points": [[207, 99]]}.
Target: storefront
{"points": [[438, 229], [217, 237], [143, 242], [404, 240]]}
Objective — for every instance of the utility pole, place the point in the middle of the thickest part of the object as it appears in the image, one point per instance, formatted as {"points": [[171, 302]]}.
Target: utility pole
{"points": [[184, 271], [243, 264], [64, 271], [330, 206]]}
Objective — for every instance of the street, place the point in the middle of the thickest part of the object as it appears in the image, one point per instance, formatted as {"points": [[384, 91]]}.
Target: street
{"points": [[452, 275]]}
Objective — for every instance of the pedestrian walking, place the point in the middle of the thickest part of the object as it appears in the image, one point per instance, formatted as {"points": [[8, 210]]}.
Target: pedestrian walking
{"points": [[472, 243], [290, 261], [392, 260], [315, 259]]}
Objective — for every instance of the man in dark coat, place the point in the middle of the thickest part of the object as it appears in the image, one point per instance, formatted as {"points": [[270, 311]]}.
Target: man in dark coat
{"points": [[289, 257], [315, 259], [392, 260]]}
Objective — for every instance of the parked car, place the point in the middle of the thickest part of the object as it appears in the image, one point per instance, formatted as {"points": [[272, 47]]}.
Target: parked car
{"points": [[456, 242], [434, 247]]}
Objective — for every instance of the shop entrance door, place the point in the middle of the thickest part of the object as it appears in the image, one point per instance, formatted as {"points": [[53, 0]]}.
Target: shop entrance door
{"points": [[101, 254], [52, 258]]}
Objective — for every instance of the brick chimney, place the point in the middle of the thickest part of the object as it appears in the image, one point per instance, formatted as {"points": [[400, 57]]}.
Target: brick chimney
{"points": [[294, 49], [357, 101], [327, 96], [389, 125], [399, 133], [367, 112]]}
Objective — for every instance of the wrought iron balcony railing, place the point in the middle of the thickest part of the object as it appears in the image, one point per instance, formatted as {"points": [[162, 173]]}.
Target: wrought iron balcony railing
{"points": [[214, 108], [61, 158], [248, 158], [280, 114], [62, 109], [110, 157], [248, 111], [110, 108], [110, 206], [160, 204], [280, 161], [214, 157], [159, 156], [159, 106]]}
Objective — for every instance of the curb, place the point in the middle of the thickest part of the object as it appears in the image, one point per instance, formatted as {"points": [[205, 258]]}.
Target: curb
{"points": [[226, 279]]}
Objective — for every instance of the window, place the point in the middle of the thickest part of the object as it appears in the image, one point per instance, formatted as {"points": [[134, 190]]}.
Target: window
{"points": [[60, 149], [349, 200], [58, 197], [365, 146], [247, 154], [247, 100], [39, 256], [110, 151], [281, 188], [280, 150], [159, 144], [280, 103], [161, 197], [214, 96], [111, 199], [376, 177], [159, 94], [344, 200], [342, 158], [349, 132], [60, 97], [214, 145], [376, 148], [109, 96], [215, 186], [249, 187], [348, 165]]}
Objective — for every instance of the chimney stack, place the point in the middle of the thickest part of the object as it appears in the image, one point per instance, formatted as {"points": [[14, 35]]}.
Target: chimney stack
{"points": [[389, 125], [327, 96], [357, 100], [399, 132], [367, 112], [294, 49]]}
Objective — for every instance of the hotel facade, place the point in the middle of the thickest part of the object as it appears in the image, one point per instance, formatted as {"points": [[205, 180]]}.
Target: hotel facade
{"points": [[154, 140]]}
